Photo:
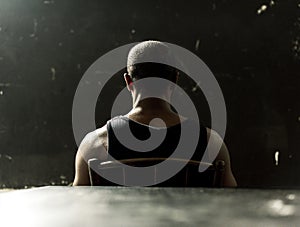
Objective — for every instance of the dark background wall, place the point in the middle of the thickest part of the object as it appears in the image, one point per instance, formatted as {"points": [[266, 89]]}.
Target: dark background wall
{"points": [[46, 46]]}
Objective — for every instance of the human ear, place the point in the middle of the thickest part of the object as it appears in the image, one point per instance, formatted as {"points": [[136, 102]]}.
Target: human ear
{"points": [[128, 81]]}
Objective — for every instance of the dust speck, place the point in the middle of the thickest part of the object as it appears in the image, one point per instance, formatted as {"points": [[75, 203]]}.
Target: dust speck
{"points": [[262, 9], [197, 44], [276, 157], [48, 2], [53, 71]]}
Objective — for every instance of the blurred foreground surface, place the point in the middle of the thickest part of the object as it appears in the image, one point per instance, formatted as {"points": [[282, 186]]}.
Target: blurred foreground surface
{"points": [[122, 206]]}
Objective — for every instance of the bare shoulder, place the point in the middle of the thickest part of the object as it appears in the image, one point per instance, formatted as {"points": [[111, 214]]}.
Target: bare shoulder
{"points": [[219, 148], [94, 144], [218, 145], [214, 135]]}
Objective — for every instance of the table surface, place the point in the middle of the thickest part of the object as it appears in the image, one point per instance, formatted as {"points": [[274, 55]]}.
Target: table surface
{"points": [[124, 206]]}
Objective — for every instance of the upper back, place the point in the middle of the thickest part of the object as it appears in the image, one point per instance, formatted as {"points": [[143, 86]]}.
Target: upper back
{"points": [[121, 146]]}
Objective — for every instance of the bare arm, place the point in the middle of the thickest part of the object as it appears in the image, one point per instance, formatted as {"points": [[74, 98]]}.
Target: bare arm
{"points": [[229, 180], [92, 146]]}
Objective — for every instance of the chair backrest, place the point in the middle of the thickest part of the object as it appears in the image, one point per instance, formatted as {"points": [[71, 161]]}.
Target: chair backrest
{"points": [[189, 176]]}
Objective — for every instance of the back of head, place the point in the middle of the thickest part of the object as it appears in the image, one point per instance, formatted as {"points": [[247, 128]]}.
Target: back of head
{"points": [[151, 59]]}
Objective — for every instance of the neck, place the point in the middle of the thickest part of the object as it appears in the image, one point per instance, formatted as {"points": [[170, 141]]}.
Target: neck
{"points": [[151, 106], [145, 110]]}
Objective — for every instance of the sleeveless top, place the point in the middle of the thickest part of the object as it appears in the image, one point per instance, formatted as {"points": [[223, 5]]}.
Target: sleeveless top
{"points": [[141, 132]]}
